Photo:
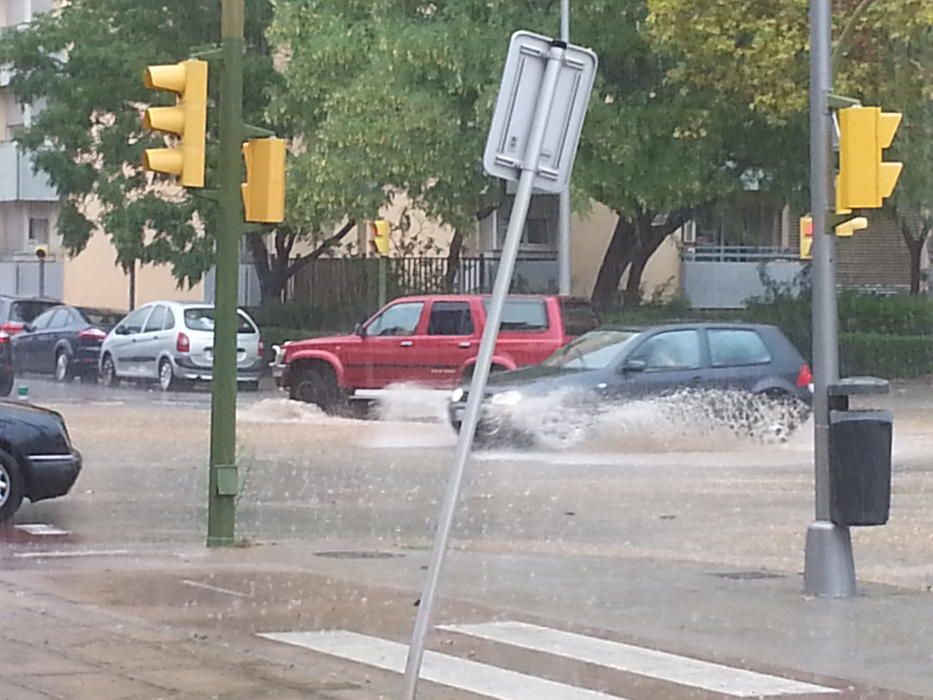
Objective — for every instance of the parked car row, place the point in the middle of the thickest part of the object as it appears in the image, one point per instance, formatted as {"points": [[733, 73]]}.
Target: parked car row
{"points": [[163, 341]]}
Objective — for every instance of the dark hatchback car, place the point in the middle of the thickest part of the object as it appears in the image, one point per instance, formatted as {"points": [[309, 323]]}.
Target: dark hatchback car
{"points": [[6, 364], [37, 460], [64, 341], [613, 365], [16, 312]]}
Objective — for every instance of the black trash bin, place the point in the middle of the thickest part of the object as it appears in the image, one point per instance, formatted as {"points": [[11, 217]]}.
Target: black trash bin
{"points": [[860, 467]]}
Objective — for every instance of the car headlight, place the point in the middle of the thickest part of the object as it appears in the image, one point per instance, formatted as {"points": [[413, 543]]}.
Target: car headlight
{"points": [[457, 394], [506, 398]]}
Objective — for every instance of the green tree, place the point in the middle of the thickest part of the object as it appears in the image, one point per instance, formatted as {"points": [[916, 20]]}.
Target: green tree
{"points": [[403, 91], [83, 65], [755, 56]]}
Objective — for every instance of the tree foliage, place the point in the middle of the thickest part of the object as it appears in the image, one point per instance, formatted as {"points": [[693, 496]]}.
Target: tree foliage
{"points": [[83, 65], [755, 55]]}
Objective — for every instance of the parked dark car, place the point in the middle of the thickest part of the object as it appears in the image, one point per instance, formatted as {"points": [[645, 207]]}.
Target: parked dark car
{"points": [[37, 460], [64, 341], [6, 364], [16, 312], [613, 365]]}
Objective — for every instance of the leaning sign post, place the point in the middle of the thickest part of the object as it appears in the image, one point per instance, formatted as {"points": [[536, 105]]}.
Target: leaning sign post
{"points": [[533, 139]]}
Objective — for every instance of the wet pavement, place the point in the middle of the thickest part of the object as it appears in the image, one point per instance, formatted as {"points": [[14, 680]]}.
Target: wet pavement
{"points": [[659, 552]]}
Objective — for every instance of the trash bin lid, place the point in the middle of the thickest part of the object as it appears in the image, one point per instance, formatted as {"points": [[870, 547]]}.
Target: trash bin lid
{"points": [[859, 386]]}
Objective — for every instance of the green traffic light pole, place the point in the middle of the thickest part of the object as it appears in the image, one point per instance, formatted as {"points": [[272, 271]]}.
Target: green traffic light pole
{"points": [[221, 517]]}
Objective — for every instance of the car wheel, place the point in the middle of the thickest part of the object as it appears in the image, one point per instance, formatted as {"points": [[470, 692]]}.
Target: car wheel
{"points": [[62, 366], [11, 486], [167, 381], [318, 386], [108, 373]]}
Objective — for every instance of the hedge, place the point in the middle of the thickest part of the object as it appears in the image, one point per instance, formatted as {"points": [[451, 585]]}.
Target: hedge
{"points": [[887, 356]]}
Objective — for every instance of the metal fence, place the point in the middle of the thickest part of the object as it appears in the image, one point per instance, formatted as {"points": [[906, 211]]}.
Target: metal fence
{"points": [[336, 282], [737, 253]]}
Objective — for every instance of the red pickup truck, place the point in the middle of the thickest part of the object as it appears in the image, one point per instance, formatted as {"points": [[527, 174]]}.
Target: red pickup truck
{"points": [[431, 341]]}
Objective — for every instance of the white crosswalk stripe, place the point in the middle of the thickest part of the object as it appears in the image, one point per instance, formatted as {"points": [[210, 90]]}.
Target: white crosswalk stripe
{"points": [[41, 530], [450, 671], [681, 670], [504, 684]]}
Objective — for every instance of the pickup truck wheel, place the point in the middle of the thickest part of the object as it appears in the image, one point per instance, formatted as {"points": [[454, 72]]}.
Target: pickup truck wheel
{"points": [[318, 386], [11, 486]]}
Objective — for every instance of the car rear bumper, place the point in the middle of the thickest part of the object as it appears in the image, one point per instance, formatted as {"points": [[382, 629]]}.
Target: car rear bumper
{"points": [[186, 369], [51, 476]]}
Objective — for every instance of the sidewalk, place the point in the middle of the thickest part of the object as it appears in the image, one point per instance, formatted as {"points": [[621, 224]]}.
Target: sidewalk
{"points": [[54, 649]]}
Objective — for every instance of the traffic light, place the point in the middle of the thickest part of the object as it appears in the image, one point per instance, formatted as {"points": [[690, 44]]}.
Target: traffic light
{"points": [[380, 230], [187, 120], [806, 237], [264, 189], [42, 252], [864, 178]]}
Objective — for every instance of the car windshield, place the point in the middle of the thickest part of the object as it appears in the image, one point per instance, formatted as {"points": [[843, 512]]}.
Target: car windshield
{"points": [[202, 319], [100, 317], [594, 350]]}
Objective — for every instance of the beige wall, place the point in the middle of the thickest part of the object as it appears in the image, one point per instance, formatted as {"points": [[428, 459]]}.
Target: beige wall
{"points": [[591, 233], [93, 279]]}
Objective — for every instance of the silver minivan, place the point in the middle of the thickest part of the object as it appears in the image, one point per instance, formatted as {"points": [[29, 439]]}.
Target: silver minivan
{"points": [[173, 343]]}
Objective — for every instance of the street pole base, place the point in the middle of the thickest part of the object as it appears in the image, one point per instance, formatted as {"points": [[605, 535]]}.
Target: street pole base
{"points": [[220, 541], [829, 569]]}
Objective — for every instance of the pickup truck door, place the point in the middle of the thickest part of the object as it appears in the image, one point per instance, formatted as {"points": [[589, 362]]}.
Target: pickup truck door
{"points": [[452, 338], [386, 352]]}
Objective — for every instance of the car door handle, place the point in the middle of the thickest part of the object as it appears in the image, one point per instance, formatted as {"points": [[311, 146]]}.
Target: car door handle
{"points": [[464, 344], [406, 344]]}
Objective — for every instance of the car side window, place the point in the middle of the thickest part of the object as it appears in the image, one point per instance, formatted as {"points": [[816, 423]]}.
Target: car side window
{"points": [[399, 319], [156, 320], [169, 323], [523, 315], [730, 347], [42, 320], [670, 350], [59, 319], [450, 318], [133, 324]]}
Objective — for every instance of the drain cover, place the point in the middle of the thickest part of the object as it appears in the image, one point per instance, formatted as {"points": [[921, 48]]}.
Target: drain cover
{"points": [[745, 575], [358, 555]]}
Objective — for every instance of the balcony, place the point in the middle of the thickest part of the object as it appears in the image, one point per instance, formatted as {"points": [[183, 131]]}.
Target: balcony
{"points": [[18, 183], [727, 277]]}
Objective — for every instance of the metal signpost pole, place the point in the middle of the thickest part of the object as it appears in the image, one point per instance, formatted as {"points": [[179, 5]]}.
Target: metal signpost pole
{"points": [[221, 500], [829, 569], [563, 215], [481, 373]]}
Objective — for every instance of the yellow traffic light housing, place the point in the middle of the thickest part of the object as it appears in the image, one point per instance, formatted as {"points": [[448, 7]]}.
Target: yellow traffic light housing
{"points": [[380, 230], [264, 189], [864, 178], [806, 237], [848, 228], [187, 120]]}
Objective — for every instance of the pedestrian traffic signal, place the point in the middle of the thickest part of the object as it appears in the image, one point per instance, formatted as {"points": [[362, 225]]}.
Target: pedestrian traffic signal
{"points": [[806, 237], [187, 120], [864, 178], [264, 189], [380, 230]]}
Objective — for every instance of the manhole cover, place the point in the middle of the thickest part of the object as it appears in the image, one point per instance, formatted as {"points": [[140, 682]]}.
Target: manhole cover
{"points": [[745, 575], [358, 555]]}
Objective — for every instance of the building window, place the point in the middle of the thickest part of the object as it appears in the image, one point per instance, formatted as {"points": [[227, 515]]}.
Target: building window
{"points": [[38, 231]]}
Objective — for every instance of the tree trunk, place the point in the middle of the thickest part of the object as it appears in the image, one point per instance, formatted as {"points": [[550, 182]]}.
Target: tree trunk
{"points": [[915, 248], [915, 237], [615, 260], [632, 294], [453, 260]]}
